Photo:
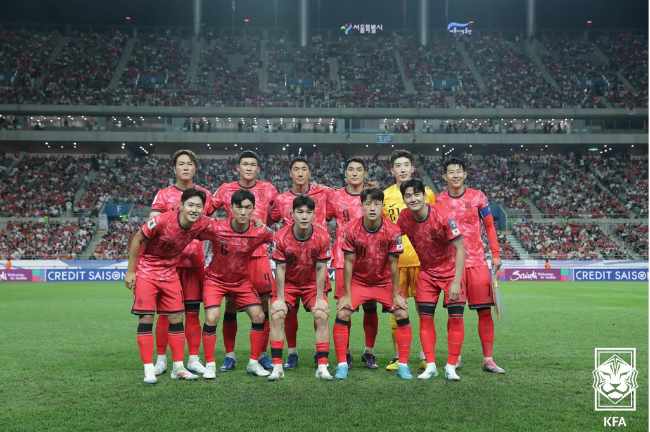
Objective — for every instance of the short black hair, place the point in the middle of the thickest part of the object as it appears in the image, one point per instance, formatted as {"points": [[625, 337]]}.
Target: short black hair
{"points": [[188, 153], [242, 195], [396, 154], [375, 194], [248, 154], [299, 159], [453, 161], [304, 201], [357, 160], [189, 193], [415, 183]]}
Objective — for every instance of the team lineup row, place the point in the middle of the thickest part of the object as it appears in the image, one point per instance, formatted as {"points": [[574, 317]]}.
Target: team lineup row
{"points": [[390, 245]]}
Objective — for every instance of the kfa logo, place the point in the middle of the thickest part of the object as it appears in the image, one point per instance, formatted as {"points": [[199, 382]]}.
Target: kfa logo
{"points": [[615, 379]]}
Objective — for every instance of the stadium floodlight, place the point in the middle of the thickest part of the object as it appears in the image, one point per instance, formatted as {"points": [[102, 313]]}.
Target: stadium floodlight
{"points": [[632, 145]]}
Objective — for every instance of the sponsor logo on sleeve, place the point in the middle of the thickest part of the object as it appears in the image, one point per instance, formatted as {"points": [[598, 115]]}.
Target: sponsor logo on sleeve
{"points": [[398, 241], [151, 224], [454, 228]]}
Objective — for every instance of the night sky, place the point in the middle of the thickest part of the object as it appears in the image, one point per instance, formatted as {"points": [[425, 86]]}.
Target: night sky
{"points": [[502, 14]]}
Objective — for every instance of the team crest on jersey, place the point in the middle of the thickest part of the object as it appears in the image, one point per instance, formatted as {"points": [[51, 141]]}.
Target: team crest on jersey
{"points": [[468, 206], [398, 241], [454, 228], [151, 224], [261, 196]]}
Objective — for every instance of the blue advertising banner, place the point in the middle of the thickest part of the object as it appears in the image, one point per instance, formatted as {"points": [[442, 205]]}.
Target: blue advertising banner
{"points": [[385, 138], [444, 83], [6, 77], [603, 274], [588, 82], [300, 82], [85, 275], [146, 80], [117, 209]]}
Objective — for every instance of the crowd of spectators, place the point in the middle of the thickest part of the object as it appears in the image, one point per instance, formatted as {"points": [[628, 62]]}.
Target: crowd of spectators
{"points": [[115, 243], [567, 241], [627, 179], [636, 236], [42, 186], [628, 53], [46, 240]]}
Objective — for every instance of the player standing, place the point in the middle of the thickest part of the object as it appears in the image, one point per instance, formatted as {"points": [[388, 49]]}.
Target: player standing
{"points": [[439, 244], [401, 166], [301, 253], [234, 241], [344, 205], [152, 275], [469, 207], [300, 173], [372, 247], [190, 267], [259, 265]]}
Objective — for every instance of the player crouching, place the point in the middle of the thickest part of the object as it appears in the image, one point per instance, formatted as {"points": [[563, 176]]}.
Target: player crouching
{"points": [[156, 249], [301, 253], [372, 246]]}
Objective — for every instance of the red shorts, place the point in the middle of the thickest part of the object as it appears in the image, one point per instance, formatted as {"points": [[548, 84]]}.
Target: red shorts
{"points": [[259, 271], [339, 288], [161, 297], [192, 283], [293, 295], [479, 287], [244, 295], [429, 289], [360, 294]]}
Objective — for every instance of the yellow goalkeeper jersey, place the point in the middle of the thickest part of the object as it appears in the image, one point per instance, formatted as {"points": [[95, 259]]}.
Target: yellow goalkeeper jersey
{"points": [[393, 205]]}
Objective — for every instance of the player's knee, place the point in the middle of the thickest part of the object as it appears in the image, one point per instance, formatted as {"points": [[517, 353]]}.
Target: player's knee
{"points": [[343, 315], [320, 317], [175, 319], [256, 314], [402, 319], [145, 319], [279, 317], [212, 317]]}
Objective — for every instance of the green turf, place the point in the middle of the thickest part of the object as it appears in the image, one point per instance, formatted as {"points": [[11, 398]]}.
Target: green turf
{"points": [[70, 362]]}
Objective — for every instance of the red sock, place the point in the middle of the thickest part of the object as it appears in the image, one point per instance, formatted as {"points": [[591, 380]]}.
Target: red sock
{"points": [[177, 341], [193, 332], [229, 331], [209, 341], [145, 342], [341, 332], [428, 336], [370, 325], [322, 352], [162, 327], [291, 327], [257, 339], [276, 351], [456, 335], [267, 332], [486, 331], [404, 337], [349, 333]]}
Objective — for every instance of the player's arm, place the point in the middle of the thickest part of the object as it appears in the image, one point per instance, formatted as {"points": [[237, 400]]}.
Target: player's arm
{"points": [[153, 214], [136, 244], [279, 305], [274, 215], [346, 300], [398, 300], [321, 304], [459, 246], [488, 222]]}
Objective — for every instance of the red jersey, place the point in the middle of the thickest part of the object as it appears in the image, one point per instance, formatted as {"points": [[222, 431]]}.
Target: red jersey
{"points": [[371, 251], [232, 251], [345, 207], [283, 205], [431, 239], [468, 210], [169, 200], [166, 241], [301, 255], [264, 193]]}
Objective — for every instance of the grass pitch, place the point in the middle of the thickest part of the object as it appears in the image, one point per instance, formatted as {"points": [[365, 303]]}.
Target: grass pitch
{"points": [[70, 362]]}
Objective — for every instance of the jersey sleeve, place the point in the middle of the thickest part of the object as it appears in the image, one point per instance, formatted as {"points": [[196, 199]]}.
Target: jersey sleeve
{"points": [[217, 199], [268, 235], [431, 197], [324, 253], [401, 223], [151, 228], [330, 211], [348, 241], [208, 233], [158, 202], [483, 207], [274, 211], [395, 246], [209, 203], [450, 228], [278, 254], [485, 214]]}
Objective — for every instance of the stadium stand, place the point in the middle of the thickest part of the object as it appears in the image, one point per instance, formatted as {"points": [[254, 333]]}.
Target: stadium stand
{"points": [[51, 240], [115, 243], [636, 236]]}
